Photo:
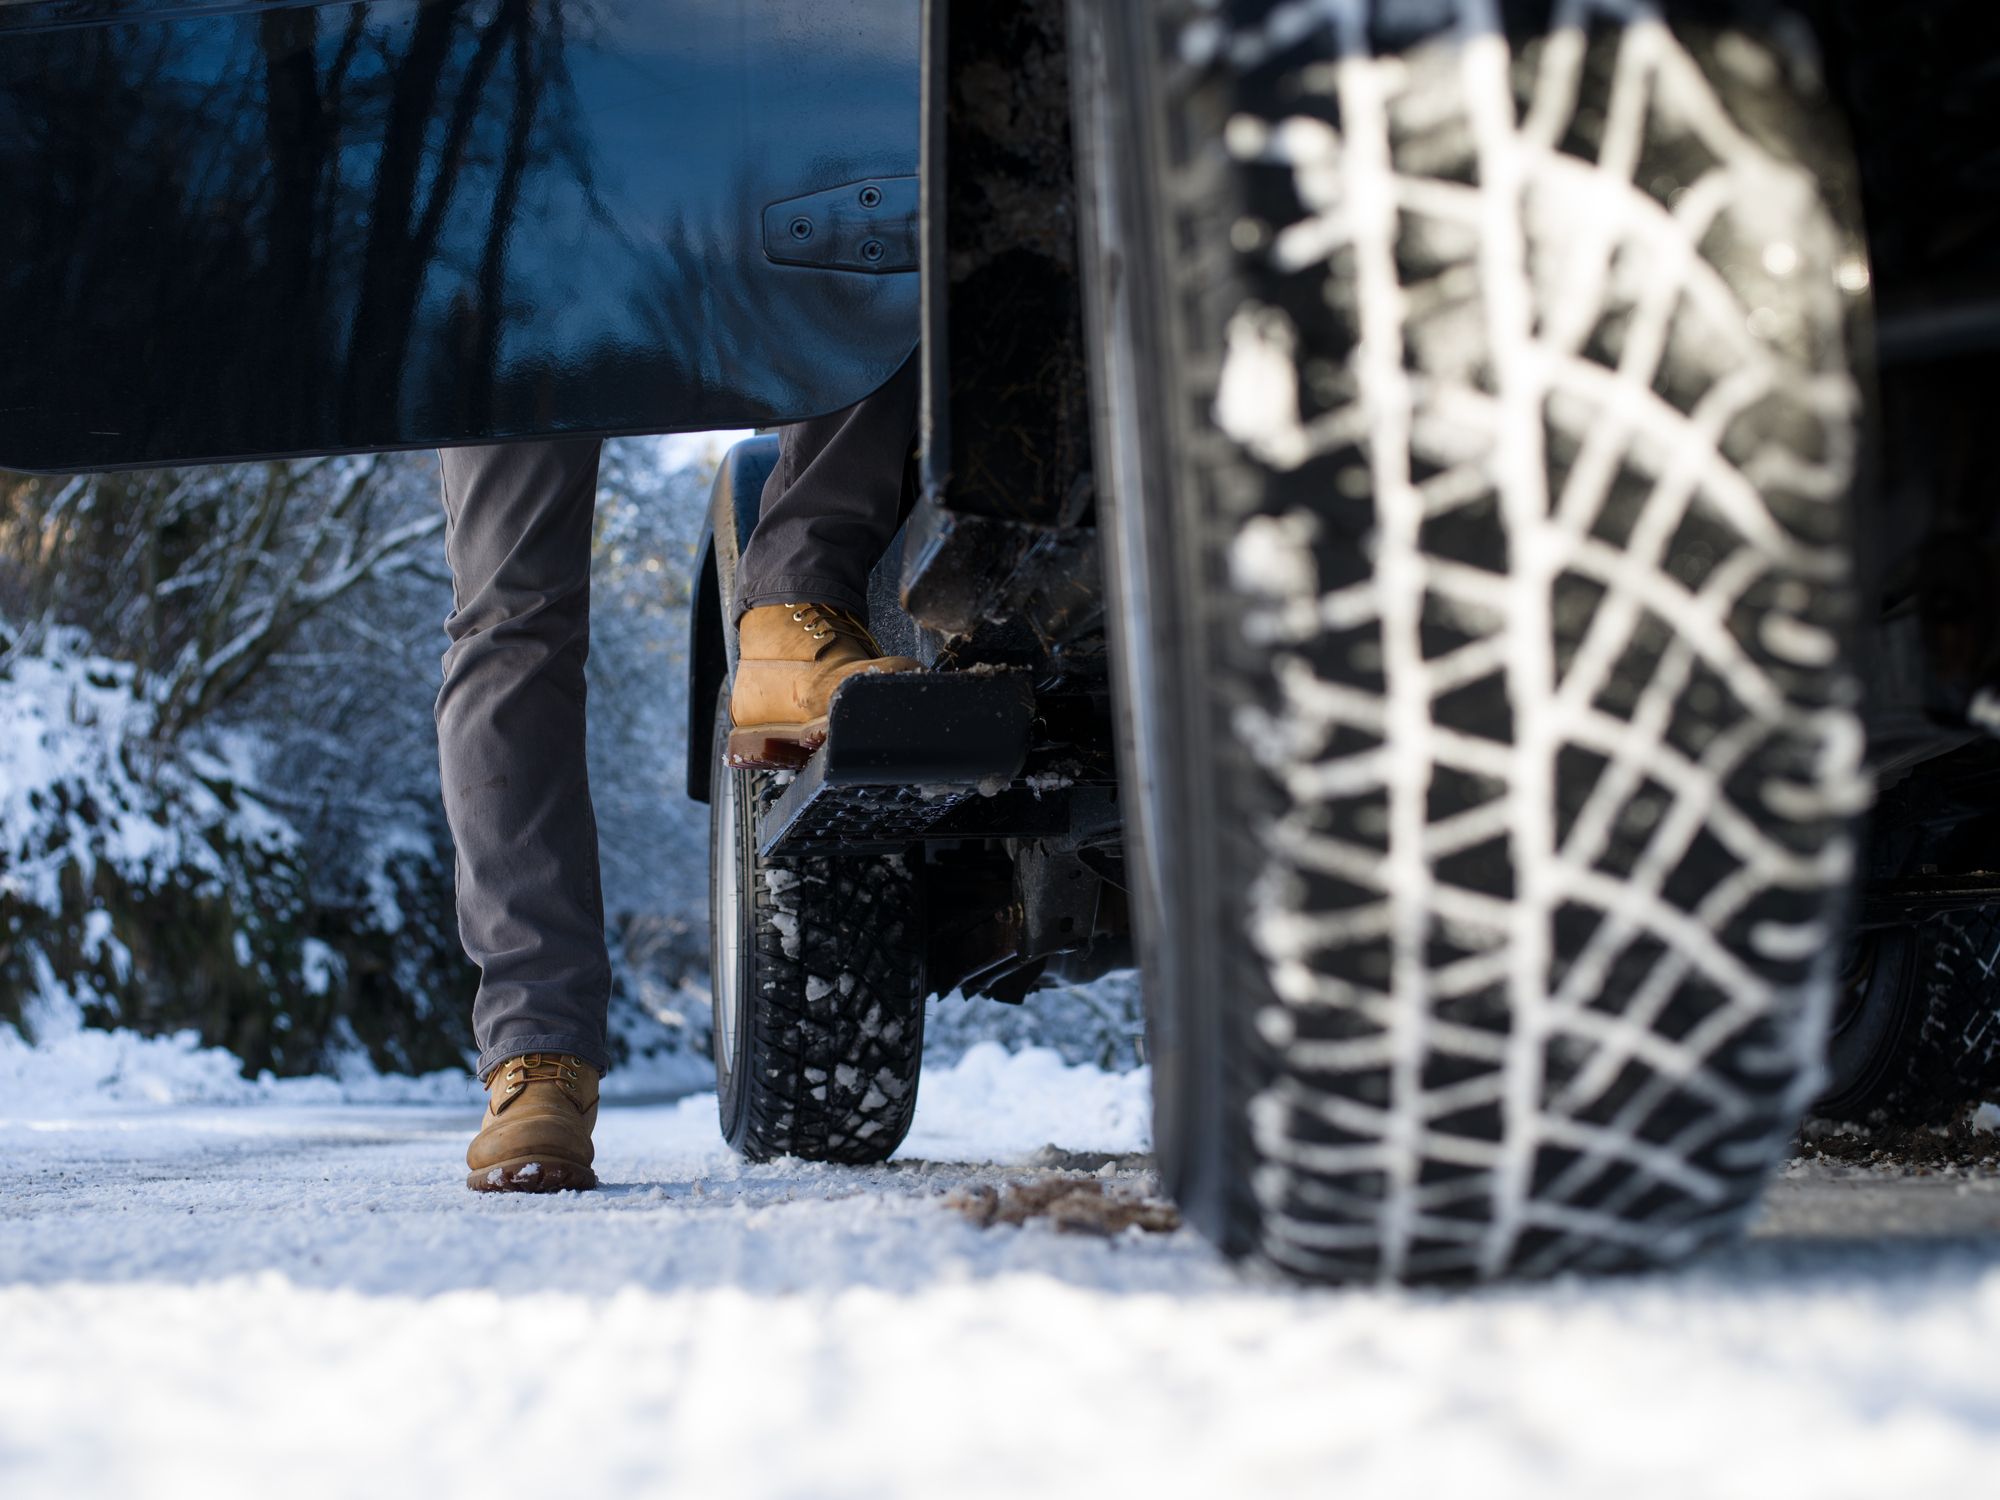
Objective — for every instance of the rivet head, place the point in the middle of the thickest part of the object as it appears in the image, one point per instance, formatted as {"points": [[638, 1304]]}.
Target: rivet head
{"points": [[802, 228], [871, 197], [871, 250]]}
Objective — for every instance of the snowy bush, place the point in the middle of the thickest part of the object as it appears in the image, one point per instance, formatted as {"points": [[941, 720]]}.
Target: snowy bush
{"points": [[137, 880], [221, 809], [1099, 1024], [146, 883]]}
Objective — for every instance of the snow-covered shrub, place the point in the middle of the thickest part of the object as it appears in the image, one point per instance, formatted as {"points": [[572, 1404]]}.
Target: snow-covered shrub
{"points": [[267, 637], [148, 883], [651, 506], [1100, 1023], [661, 1031], [399, 985], [140, 883]]}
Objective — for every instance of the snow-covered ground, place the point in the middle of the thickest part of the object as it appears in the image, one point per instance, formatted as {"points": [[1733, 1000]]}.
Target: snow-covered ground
{"points": [[296, 1296]]}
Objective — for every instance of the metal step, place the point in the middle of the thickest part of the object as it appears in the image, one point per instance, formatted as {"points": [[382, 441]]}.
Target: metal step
{"points": [[923, 755]]}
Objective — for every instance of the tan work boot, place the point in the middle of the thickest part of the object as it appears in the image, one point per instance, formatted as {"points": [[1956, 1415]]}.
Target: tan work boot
{"points": [[789, 659], [540, 1110]]}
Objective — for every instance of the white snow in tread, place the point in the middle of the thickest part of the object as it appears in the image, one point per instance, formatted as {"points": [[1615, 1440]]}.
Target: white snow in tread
{"points": [[1272, 554], [1984, 710], [1520, 470], [787, 925], [1789, 941], [1257, 399], [1389, 403], [1595, 237]]}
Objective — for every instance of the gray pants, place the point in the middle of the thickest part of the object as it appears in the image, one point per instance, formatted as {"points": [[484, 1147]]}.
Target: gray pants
{"points": [[510, 716]]}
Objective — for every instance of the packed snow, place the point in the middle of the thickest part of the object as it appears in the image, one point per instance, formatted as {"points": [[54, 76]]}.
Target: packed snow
{"points": [[217, 1287]]}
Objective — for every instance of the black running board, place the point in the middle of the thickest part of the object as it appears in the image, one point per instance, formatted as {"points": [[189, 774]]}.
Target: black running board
{"points": [[913, 755]]}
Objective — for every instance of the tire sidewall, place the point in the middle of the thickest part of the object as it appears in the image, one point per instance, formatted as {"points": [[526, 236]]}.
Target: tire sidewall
{"points": [[1871, 1036], [1175, 788], [732, 860]]}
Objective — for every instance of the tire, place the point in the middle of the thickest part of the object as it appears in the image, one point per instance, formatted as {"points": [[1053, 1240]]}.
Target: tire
{"points": [[1917, 1035], [818, 976], [1480, 604]]}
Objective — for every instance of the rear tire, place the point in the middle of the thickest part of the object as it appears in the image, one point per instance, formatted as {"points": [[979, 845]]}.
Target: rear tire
{"points": [[1480, 425], [818, 977], [1917, 1038]]}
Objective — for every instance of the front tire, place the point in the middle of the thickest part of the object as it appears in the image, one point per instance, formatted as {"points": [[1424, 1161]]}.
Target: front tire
{"points": [[816, 966], [1480, 426]]}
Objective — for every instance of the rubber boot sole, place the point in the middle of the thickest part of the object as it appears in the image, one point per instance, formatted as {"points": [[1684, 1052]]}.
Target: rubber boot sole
{"points": [[774, 747], [532, 1174]]}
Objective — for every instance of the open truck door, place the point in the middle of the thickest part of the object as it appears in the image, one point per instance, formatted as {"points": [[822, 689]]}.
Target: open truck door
{"points": [[249, 228]]}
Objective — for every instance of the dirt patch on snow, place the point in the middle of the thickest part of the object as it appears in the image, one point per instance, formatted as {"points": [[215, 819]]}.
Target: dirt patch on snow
{"points": [[1072, 1205], [1967, 1144]]}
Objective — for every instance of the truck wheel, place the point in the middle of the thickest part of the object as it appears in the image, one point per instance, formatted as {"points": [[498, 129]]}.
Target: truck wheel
{"points": [[817, 971], [1473, 385], [1916, 1034]]}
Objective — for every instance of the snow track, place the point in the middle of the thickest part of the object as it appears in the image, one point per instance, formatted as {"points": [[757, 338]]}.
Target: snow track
{"points": [[272, 1299]]}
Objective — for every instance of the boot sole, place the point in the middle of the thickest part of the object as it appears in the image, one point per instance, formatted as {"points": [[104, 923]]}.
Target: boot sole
{"points": [[773, 747], [531, 1174]]}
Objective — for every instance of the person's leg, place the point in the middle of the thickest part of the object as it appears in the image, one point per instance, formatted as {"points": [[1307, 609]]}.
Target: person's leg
{"points": [[510, 723], [833, 502], [829, 509]]}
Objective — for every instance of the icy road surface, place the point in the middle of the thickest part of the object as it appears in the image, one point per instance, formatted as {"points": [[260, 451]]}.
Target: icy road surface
{"points": [[275, 1300]]}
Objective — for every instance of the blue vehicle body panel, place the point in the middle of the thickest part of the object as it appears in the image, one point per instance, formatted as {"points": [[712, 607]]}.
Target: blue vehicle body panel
{"points": [[237, 229]]}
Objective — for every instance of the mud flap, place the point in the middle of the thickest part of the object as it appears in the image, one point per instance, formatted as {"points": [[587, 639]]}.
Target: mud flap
{"points": [[904, 752]]}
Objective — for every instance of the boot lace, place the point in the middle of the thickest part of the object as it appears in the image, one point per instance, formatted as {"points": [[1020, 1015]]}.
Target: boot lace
{"points": [[825, 622], [537, 1067]]}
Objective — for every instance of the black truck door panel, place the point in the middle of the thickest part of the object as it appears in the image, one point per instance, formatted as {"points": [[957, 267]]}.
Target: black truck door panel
{"points": [[235, 228]]}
